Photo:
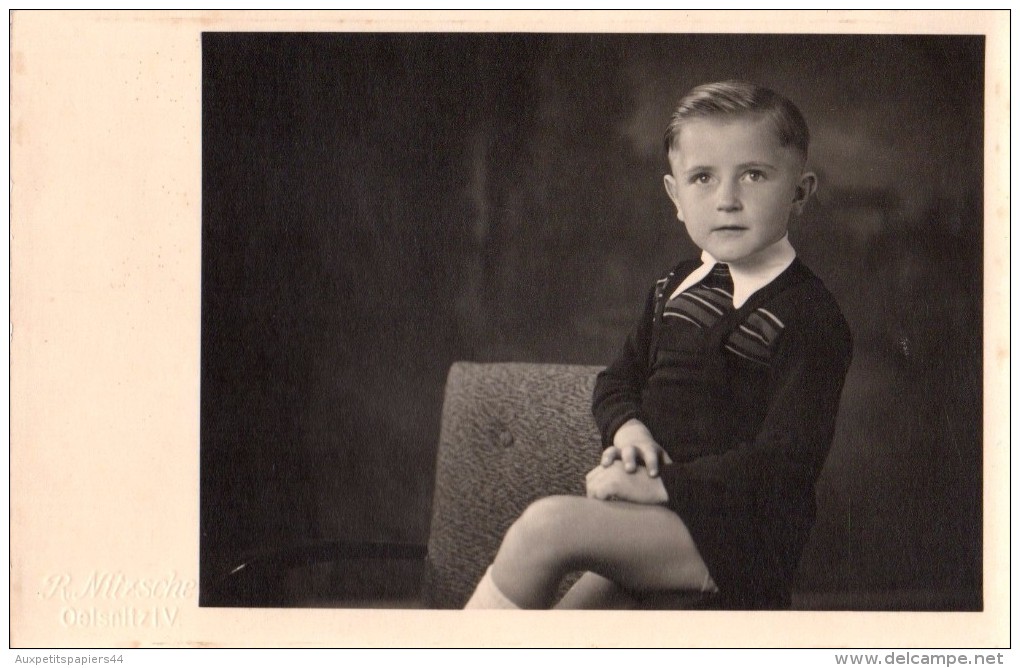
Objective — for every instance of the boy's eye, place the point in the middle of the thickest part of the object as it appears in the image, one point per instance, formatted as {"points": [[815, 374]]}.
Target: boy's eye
{"points": [[756, 175], [701, 178]]}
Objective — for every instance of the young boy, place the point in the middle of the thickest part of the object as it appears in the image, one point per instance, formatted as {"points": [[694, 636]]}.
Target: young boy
{"points": [[719, 413]]}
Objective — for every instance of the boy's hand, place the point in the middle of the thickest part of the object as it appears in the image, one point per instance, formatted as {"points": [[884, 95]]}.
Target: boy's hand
{"points": [[615, 483], [633, 443]]}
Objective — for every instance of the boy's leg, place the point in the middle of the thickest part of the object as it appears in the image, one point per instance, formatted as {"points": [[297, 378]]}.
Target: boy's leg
{"points": [[594, 592], [637, 546], [487, 596]]}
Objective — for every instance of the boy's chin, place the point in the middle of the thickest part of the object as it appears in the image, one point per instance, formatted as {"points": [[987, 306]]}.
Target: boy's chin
{"points": [[735, 253], [730, 256]]}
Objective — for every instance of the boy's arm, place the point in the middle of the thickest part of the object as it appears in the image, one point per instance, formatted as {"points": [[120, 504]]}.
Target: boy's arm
{"points": [[617, 395], [776, 472]]}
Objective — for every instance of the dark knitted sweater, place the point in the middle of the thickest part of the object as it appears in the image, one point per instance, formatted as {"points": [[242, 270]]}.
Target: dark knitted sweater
{"points": [[748, 435]]}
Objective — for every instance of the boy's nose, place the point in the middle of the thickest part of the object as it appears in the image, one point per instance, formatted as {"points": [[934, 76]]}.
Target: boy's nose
{"points": [[729, 199]]}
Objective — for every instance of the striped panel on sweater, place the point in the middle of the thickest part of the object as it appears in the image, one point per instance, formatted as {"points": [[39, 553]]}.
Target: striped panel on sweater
{"points": [[704, 304], [756, 337]]}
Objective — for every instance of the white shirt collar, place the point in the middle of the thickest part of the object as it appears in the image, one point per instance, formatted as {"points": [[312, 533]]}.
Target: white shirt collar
{"points": [[749, 275]]}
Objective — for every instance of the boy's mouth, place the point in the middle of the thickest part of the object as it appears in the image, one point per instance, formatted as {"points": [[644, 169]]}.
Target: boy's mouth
{"points": [[730, 228]]}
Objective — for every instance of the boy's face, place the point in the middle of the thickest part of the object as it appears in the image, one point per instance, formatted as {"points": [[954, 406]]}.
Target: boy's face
{"points": [[734, 185]]}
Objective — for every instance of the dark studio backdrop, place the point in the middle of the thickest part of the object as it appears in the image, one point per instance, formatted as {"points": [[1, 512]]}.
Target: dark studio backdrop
{"points": [[377, 206]]}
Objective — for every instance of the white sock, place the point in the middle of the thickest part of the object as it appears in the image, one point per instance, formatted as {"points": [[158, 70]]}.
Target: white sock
{"points": [[487, 596]]}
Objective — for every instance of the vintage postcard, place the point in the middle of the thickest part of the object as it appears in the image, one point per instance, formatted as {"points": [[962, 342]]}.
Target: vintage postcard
{"points": [[263, 264]]}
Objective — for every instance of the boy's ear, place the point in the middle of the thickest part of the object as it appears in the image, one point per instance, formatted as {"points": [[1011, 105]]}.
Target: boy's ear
{"points": [[805, 189], [671, 190]]}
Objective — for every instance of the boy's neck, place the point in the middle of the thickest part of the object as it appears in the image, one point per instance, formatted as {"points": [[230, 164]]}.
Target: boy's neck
{"points": [[780, 253]]}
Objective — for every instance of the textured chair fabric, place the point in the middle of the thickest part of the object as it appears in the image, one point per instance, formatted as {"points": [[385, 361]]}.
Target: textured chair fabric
{"points": [[511, 434]]}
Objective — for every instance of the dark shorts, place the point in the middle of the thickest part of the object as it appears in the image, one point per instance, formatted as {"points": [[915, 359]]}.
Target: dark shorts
{"points": [[742, 559]]}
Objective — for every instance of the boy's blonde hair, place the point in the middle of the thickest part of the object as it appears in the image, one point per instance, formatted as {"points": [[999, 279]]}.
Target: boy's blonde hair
{"points": [[735, 98]]}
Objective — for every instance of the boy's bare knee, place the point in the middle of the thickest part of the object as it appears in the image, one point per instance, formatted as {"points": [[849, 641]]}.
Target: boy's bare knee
{"points": [[541, 533], [552, 509]]}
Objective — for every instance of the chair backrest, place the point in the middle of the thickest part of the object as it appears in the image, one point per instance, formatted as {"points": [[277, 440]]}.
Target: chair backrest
{"points": [[510, 434]]}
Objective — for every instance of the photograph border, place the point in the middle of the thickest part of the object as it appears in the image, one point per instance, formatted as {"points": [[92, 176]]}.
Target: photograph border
{"points": [[105, 309]]}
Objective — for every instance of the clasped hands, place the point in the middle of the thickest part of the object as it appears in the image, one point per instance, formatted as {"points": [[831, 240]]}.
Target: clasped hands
{"points": [[629, 470]]}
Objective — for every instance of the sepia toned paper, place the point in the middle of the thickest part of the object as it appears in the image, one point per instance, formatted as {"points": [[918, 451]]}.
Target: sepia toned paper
{"points": [[105, 357]]}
